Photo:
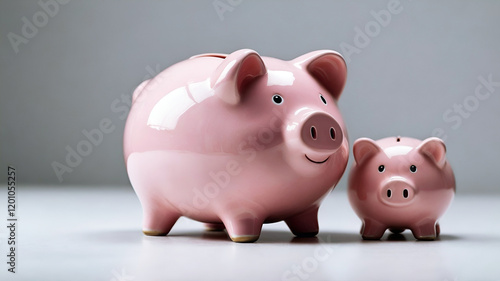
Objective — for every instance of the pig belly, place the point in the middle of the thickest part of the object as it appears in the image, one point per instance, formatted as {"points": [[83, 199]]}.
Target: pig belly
{"points": [[205, 186]]}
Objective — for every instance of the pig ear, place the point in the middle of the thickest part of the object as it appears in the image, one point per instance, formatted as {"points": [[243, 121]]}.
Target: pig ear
{"points": [[327, 67], [435, 149], [364, 148], [235, 73]]}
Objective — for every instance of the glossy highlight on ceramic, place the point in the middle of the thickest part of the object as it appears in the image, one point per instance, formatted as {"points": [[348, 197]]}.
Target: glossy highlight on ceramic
{"points": [[400, 183], [238, 140]]}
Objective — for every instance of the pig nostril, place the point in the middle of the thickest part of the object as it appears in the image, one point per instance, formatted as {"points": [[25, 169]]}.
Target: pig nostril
{"points": [[389, 193], [332, 133], [313, 132], [405, 193]]}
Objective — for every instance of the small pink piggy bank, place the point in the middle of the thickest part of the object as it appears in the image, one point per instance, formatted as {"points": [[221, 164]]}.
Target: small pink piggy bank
{"points": [[400, 183], [238, 140]]}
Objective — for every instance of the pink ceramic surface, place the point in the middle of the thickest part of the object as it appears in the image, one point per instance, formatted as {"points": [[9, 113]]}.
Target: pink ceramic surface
{"points": [[238, 140], [400, 183]]}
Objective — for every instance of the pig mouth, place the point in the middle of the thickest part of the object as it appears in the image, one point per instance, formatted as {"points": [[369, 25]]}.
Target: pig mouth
{"points": [[317, 162]]}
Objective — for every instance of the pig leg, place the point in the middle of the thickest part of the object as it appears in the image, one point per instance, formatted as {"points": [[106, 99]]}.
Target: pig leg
{"points": [[397, 230], [372, 230], [242, 227], [157, 213], [157, 221], [427, 230], [304, 224], [214, 226]]}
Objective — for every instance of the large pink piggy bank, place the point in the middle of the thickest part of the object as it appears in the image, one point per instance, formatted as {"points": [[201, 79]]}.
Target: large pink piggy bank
{"points": [[238, 140], [400, 183]]}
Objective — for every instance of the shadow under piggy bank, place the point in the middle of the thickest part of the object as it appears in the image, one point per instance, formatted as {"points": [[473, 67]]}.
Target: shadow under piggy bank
{"points": [[407, 236], [271, 236], [132, 236]]}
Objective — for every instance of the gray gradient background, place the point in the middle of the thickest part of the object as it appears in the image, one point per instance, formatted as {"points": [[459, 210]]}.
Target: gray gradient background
{"points": [[426, 60]]}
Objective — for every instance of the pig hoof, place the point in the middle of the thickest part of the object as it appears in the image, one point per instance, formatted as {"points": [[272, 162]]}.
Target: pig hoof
{"points": [[426, 238], [154, 233], [245, 238]]}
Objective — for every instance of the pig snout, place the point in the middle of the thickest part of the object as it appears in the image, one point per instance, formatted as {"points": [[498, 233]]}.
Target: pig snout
{"points": [[321, 133], [311, 138], [397, 191]]}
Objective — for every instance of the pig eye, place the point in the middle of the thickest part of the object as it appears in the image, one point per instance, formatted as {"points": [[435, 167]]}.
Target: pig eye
{"points": [[381, 168], [413, 168], [322, 98], [277, 99]]}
